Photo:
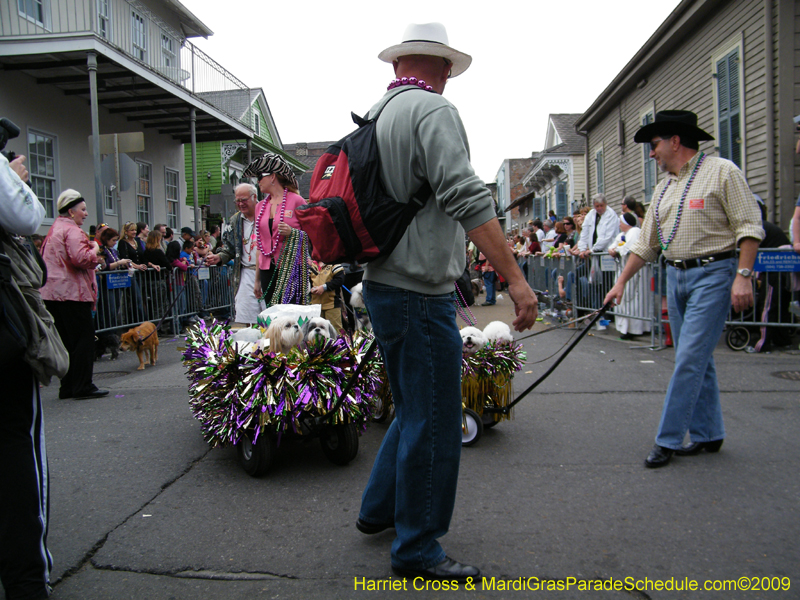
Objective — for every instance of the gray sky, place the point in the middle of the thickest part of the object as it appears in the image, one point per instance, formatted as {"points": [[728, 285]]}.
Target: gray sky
{"points": [[530, 59]]}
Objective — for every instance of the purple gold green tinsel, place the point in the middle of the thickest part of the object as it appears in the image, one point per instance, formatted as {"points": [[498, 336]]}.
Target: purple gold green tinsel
{"points": [[486, 376], [231, 392]]}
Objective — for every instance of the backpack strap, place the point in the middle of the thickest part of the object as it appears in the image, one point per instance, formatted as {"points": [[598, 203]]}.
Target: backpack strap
{"points": [[422, 194]]}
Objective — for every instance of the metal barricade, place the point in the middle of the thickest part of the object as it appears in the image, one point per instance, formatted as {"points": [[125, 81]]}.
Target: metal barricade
{"points": [[775, 314], [129, 298]]}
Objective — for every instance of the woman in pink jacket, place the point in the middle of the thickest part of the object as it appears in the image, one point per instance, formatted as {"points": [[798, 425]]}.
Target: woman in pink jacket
{"points": [[71, 292], [275, 218]]}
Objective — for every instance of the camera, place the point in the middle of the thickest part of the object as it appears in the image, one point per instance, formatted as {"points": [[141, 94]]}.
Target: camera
{"points": [[8, 131]]}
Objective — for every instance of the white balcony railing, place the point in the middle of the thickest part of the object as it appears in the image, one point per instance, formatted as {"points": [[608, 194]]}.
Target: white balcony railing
{"points": [[131, 28]]}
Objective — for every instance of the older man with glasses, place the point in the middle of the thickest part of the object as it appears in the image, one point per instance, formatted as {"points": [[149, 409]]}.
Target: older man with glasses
{"points": [[239, 244]]}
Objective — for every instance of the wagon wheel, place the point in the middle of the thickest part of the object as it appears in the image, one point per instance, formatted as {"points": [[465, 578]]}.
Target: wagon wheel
{"points": [[488, 421], [471, 427], [256, 458], [339, 443], [738, 338], [384, 409]]}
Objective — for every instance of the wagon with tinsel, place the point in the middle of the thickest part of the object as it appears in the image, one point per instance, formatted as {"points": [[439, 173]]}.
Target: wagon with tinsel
{"points": [[487, 389], [255, 399]]}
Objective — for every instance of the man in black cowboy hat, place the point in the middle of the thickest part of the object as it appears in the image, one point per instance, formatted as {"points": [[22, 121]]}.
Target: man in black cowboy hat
{"points": [[702, 210], [409, 297]]}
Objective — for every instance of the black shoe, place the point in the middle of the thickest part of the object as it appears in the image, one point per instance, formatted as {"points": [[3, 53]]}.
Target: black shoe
{"points": [[488, 304], [372, 528], [658, 457], [626, 336], [448, 569], [696, 447], [95, 393]]}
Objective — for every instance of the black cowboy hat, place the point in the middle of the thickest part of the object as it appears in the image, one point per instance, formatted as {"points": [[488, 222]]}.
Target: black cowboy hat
{"points": [[672, 122]]}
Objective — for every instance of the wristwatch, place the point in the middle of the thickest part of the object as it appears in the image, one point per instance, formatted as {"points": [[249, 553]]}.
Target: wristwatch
{"points": [[744, 272]]}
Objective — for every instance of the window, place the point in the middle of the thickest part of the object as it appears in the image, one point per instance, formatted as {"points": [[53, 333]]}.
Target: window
{"points": [[108, 201], [256, 123], [171, 183], [168, 52], [650, 166], [34, 10], [598, 159], [729, 106], [43, 170], [143, 193], [138, 36], [537, 207], [104, 19]]}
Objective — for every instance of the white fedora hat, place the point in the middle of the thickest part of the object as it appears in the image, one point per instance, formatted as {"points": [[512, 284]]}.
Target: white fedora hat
{"points": [[428, 39]]}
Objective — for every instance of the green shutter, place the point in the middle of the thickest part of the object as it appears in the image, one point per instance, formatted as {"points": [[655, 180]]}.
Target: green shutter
{"points": [[561, 199], [729, 108]]}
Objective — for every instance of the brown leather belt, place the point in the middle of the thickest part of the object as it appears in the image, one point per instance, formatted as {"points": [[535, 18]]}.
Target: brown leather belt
{"points": [[701, 261]]}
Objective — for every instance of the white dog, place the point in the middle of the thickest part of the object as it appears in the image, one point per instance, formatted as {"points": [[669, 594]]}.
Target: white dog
{"points": [[497, 331], [472, 340], [318, 327], [284, 334]]}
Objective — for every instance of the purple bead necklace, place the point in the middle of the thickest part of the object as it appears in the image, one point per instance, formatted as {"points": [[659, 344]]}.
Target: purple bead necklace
{"points": [[420, 83], [665, 244], [258, 224]]}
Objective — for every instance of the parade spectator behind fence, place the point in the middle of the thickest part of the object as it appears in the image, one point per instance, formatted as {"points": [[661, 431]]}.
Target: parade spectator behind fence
{"points": [[70, 293], [25, 560], [155, 279], [109, 300], [410, 298], [637, 300], [630, 204], [216, 237], [276, 217], [702, 210], [239, 245], [600, 227]]}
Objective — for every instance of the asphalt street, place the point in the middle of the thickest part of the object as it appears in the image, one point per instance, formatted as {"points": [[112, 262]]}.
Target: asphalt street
{"points": [[141, 508]]}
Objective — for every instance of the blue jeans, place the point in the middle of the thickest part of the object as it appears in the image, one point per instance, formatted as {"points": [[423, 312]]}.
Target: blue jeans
{"points": [[699, 300], [414, 478], [489, 277]]}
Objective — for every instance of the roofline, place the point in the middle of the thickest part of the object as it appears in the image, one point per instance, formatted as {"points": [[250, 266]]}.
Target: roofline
{"points": [[203, 30], [669, 35]]}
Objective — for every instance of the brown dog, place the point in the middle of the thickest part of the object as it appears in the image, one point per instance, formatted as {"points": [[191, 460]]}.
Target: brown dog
{"points": [[141, 338]]}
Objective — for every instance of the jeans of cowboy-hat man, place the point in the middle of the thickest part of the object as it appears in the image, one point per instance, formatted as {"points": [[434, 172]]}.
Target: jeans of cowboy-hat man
{"points": [[414, 478], [698, 300]]}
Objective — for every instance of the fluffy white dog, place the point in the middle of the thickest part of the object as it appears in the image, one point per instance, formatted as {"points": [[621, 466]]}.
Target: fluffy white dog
{"points": [[318, 327], [472, 340], [497, 331], [284, 334]]}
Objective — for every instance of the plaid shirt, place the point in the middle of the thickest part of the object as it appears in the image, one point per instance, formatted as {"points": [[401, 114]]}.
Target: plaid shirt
{"points": [[719, 210]]}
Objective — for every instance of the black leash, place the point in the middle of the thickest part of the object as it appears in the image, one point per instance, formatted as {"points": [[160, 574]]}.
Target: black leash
{"points": [[169, 309]]}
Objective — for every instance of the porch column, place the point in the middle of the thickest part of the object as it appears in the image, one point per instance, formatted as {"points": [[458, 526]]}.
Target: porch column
{"points": [[91, 62], [193, 119]]}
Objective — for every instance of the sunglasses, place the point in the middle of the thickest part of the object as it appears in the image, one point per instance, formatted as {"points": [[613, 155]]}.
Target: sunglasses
{"points": [[654, 144]]}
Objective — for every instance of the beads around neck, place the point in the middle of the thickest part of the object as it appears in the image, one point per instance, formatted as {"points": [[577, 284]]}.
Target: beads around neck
{"points": [[420, 83]]}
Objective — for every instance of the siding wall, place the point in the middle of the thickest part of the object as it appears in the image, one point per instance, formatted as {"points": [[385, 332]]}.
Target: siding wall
{"points": [[685, 81], [209, 160], [45, 108]]}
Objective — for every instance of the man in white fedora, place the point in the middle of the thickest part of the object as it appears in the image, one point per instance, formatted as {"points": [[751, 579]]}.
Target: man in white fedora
{"points": [[409, 297]]}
